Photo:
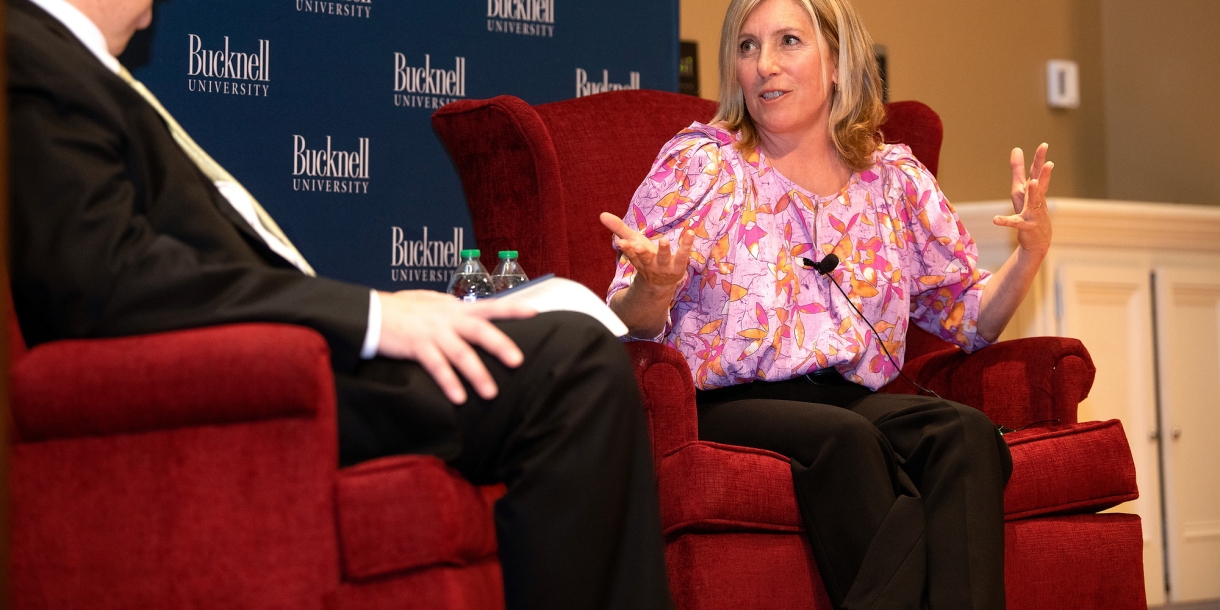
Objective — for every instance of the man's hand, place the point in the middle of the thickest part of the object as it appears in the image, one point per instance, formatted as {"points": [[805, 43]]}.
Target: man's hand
{"points": [[438, 331]]}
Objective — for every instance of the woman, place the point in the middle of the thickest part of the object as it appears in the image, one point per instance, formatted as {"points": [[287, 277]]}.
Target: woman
{"points": [[902, 496]]}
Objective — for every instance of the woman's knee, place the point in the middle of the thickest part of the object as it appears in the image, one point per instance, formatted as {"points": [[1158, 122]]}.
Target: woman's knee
{"points": [[972, 420], [977, 430], [848, 436]]}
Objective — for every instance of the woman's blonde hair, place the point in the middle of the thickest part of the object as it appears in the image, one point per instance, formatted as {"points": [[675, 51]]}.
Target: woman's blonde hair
{"points": [[856, 111]]}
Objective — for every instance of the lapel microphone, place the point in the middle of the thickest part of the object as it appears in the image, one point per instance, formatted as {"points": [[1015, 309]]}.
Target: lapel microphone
{"points": [[824, 266]]}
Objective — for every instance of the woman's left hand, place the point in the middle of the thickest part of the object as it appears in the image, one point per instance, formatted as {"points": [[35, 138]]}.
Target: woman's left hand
{"points": [[1031, 218]]}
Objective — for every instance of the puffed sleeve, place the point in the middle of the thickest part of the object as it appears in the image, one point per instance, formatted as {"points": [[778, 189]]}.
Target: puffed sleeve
{"points": [[688, 179], [946, 282]]}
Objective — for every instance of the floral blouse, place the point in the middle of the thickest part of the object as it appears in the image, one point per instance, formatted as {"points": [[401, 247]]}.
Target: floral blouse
{"points": [[748, 309]]}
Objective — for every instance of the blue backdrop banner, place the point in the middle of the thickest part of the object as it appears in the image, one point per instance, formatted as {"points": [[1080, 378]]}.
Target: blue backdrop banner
{"points": [[322, 108]]}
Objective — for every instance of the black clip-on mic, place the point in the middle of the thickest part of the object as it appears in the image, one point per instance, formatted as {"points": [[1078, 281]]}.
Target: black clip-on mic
{"points": [[824, 267]]}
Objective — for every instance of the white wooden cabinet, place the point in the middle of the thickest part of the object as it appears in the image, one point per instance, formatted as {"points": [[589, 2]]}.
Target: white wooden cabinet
{"points": [[1188, 338], [1139, 284]]}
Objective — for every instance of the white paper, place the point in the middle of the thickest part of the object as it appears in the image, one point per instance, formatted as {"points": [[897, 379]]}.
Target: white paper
{"points": [[561, 294]]}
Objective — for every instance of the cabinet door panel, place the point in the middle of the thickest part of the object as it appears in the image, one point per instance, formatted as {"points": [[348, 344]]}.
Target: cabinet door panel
{"points": [[1188, 347], [1109, 308]]}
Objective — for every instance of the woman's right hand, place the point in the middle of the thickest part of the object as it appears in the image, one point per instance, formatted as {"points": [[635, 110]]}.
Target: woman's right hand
{"points": [[654, 263], [644, 307]]}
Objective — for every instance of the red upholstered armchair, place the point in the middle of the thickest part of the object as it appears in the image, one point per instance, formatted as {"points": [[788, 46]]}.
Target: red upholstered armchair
{"points": [[198, 469], [536, 179]]}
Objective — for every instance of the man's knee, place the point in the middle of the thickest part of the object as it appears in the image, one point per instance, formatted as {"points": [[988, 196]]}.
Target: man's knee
{"points": [[562, 335], [585, 331], [577, 356]]}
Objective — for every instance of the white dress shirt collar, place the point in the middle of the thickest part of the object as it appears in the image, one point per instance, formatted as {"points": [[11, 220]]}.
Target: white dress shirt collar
{"points": [[83, 28]]}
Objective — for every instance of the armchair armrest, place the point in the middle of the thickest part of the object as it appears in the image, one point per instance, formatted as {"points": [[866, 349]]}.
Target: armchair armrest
{"points": [[1016, 383], [216, 375], [669, 395]]}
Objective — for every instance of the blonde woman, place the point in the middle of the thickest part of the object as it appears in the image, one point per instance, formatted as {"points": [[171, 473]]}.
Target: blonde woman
{"points": [[756, 217]]}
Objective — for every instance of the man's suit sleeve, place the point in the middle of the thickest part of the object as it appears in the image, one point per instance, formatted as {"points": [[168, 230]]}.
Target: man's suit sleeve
{"points": [[88, 261]]}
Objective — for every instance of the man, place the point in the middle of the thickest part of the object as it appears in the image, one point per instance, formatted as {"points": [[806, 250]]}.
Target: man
{"points": [[121, 225]]}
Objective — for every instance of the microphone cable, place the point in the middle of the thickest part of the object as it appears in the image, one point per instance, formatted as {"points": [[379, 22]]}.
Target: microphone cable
{"points": [[824, 267]]}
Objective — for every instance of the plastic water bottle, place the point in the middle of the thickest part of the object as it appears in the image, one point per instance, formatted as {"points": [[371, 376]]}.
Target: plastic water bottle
{"points": [[508, 273], [470, 281]]}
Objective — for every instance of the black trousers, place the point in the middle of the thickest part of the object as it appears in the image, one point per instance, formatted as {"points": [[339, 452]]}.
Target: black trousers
{"points": [[902, 496], [580, 524]]}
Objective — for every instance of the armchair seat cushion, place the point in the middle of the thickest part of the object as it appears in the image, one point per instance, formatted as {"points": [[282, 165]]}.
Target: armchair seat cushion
{"points": [[404, 512], [1071, 468]]}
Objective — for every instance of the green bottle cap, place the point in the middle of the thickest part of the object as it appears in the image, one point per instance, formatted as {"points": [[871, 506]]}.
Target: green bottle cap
{"points": [[508, 254], [470, 253]]}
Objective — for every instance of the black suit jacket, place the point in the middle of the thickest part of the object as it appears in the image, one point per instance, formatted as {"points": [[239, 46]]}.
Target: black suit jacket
{"points": [[115, 231]]}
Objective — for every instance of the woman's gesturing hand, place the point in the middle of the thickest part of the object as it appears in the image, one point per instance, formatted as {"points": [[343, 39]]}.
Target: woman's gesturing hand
{"points": [[654, 263], [1031, 218], [1032, 221]]}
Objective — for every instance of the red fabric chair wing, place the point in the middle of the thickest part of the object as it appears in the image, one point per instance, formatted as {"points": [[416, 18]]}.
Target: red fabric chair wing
{"points": [[918, 126], [602, 161], [513, 163], [168, 471]]}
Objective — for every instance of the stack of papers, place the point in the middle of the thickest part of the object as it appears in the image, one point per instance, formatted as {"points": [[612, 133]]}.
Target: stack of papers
{"points": [[550, 293]]}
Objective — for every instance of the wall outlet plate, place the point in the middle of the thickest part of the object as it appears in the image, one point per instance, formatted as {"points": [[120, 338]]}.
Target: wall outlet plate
{"points": [[1062, 83]]}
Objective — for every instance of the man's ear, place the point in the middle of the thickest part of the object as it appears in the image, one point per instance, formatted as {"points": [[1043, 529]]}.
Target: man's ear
{"points": [[145, 19]]}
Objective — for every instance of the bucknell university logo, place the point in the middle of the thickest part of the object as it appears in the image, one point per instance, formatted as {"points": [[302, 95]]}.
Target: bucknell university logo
{"points": [[424, 260], [425, 86], [327, 170], [360, 9], [586, 87], [522, 17], [225, 71]]}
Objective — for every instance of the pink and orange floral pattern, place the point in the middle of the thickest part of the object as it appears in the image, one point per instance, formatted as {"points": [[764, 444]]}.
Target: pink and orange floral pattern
{"points": [[748, 309]]}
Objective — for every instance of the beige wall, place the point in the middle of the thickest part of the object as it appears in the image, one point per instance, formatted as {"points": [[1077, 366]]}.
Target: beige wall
{"points": [[700, 20], [1162, 87], [982, 66]]}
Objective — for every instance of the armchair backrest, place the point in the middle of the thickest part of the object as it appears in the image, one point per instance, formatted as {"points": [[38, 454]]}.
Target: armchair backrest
{"points": [[605, 145], [918, 126], [536, 177]]}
